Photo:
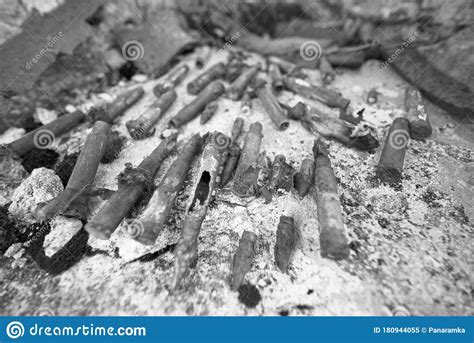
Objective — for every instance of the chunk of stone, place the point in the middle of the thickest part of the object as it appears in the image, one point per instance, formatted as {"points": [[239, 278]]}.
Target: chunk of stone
{"points": [[63, 229]]}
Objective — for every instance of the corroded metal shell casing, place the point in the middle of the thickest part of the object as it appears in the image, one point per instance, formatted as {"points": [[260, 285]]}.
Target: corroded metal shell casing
{"points": [[172, 79], [230, 164], [272, 107], [281, 175], [243, 258], [285, 242], [420, 126], [215, 72], [246, 175], [124, 101], [238, 86], [303, 180], [275, 75], [207, 178]]}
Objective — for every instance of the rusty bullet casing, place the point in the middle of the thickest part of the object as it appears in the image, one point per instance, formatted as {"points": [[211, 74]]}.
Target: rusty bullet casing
{"points": [[328, 75], [142, 126], [372, 96], [419, 122], [332, 233], [172, 79], [230, 164], [303, 180], [123, 102], [215, 72], [246, 175], [195, 107], [246, 104], [285, 242], [47, 133], [208, 112], [208, 177], [272, 107], [236, 129], [155, 214], [308, 90], [237, 88], [72, 199], [106, 221], [391, 161], [243, 258], [281, 175], [276, 77]]}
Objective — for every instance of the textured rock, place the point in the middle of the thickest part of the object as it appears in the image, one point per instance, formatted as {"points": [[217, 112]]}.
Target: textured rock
{"points": [[40, 187], [62, 230]]}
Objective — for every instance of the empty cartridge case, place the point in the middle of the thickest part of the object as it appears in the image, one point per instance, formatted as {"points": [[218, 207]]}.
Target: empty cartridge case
{"points": [[156, 213], [285, 242], [243, 259], [281, 174], [390, 166], [236, 129], [237, 88], [208, 112], [325, 95], [195, 107], [142, 126], [45, 135], [230, 164], [208, 177], [419, 122], [215, 72], [246, 175], [73, 198], [246, 104], [106, 221], [332, 233], [172, 79], [303, 180], [372, 96], [328, 75], [275, 75], [271, 105], [123, 102]]}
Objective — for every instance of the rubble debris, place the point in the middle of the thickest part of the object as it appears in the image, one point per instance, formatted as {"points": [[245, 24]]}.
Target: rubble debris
{"points": [[208, 177], [195, 107], [285, 242], [215, 72], [271, 105], [141, 127], [243, 258], [246, 174], [390, 166], [303, 180], [249, 295], [208, 112], [419, 122], [44, 116], [332, 233], [156, 212], [171, 80], [73, 200], [123, 102], [311, 91], [238, 87], [45, 136], [106, 221], [12, 173], [39, 188]]}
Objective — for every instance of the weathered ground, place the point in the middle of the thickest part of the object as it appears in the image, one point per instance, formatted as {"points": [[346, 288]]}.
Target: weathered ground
{"points": [[411, 244]]}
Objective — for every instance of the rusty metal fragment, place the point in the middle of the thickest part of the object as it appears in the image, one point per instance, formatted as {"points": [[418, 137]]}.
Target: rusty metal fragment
{"points": [[195, 107], [390, 166], [142, 126], [276, 77], [237, 129], [332, 233], [246, 103], [281, 175], [238, 87], [199, 83], [208, 177], [303, 180], [285, 242], [208, 112], [123, 102], [328, 75], [171, 80], [420, 126], [243, 259], [271, 105], [246, 175], [155, 214]]}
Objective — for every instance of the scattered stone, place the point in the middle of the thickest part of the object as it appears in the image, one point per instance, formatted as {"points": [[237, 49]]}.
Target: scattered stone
{"points": [[249, 295], [11, 174], [44, 116], [40, 187], [13, 250], [12, 134], [140, 78], [62, 231]]}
